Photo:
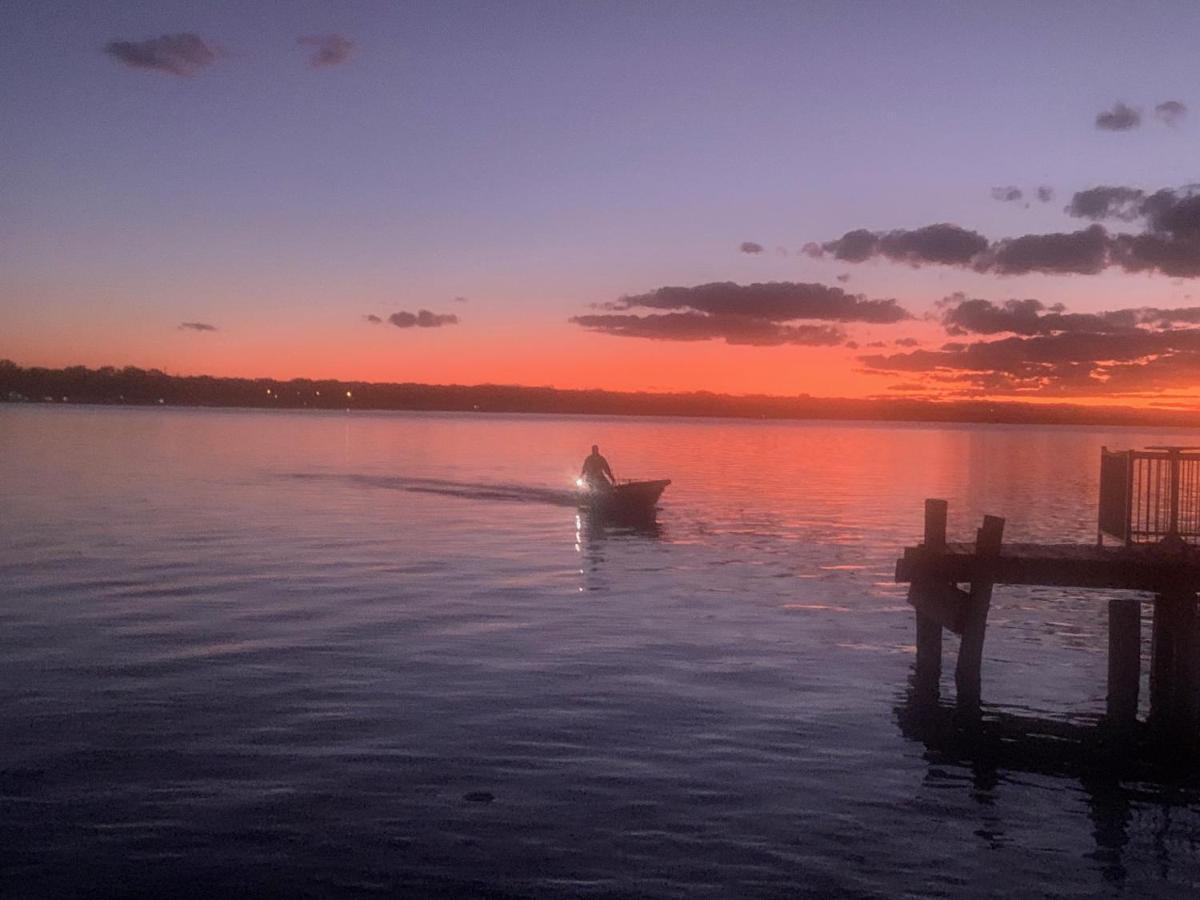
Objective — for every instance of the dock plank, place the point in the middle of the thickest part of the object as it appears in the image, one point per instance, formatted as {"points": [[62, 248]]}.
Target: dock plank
{"points": [[1140, 568]]}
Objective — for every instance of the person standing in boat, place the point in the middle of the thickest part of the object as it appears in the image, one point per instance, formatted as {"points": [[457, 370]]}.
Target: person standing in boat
{"points": [[596, 471]]}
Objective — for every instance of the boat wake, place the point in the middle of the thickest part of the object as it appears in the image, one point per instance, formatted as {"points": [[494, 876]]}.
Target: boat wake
{"points": [[466, 490]]}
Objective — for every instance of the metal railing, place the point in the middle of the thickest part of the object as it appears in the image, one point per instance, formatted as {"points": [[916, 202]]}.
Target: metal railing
{"points": [[1150, 496]]}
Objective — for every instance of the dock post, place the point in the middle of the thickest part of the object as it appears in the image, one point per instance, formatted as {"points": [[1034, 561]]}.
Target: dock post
{"points": [[1124, 662], [1175, 670], [967, 677], [929, 631], [1190, 671]]}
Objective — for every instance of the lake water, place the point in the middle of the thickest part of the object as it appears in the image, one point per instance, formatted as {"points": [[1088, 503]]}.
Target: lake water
{"points": [[343, 654]]}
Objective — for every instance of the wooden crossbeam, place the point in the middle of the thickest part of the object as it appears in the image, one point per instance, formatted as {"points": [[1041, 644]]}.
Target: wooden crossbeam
{"points": [[1055, 565]]}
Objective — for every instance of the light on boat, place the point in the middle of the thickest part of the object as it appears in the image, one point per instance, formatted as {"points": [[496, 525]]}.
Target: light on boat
{"points": [[578, 482]]}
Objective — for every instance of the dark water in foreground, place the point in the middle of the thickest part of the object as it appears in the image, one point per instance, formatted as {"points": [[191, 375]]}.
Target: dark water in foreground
{"points": [[350, 654]]}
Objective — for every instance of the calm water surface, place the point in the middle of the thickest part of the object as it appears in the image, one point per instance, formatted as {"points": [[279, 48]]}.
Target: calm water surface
{"points": [[348, 654]]}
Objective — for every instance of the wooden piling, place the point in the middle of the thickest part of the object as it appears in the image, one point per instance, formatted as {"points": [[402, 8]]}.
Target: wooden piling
{"points": [[1124, 662], [928, 673], [967, 672], [1175, 670], [1169, 569], [1187, 672]]}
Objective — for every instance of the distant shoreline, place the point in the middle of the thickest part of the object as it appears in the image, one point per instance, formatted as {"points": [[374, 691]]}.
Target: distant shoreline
{"points": [[141, 387]]}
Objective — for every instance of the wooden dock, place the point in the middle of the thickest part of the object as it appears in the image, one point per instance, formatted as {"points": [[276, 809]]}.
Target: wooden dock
{"points": [[1136, 568], [1169, 572]]}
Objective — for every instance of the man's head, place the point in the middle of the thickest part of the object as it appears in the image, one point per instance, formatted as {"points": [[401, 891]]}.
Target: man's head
{"points": [[595, 448]]}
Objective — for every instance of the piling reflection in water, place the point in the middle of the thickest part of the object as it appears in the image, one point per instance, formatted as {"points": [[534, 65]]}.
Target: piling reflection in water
{"points": [[1130, 795]]}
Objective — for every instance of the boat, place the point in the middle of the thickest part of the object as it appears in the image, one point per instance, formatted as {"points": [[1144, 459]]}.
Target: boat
{"points": [[625, 501]]}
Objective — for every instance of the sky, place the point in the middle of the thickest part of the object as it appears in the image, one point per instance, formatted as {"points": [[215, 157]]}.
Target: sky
{"points": [[836, 199]]}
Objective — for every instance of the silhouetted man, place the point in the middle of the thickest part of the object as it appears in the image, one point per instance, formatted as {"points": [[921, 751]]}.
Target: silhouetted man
{"points": [[596, 471]]}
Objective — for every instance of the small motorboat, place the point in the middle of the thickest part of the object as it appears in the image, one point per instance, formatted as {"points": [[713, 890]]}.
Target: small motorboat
{"points": [[633, 501]]}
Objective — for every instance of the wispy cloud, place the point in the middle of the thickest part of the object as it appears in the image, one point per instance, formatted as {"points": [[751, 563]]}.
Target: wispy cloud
{"points": [[694, 326], [1060, 364], [184, 54], [422, 318], [196, 326], [1171, 112], [1007, 194], [777, 301], [1046, 350], [750, 247], [328, 49]]}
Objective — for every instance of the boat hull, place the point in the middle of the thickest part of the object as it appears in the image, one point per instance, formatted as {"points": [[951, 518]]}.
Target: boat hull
{"points": [[629, 501]]}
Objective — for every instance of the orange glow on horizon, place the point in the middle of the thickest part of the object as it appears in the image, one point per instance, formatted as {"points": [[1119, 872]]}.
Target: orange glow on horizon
{"points": [[555, 355]]}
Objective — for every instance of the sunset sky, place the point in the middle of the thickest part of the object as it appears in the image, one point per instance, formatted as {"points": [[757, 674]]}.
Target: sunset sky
{"points": [[236, 188]]}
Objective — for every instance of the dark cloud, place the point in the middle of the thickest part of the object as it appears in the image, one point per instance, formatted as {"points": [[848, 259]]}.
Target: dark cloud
{"points": [[695, 326], [1030, 317], [750, 247], [462, 299], [329, 49], [952, 245], [1121, 117], [1081, 252], [1168, 243], [1178, 257], [777, 301], [373, 319], [1045, 193], [1046, 363], [1174, 213], [196, 326], [844, 277], [1007, 194], [1052, 352], [942, 243], [853, 246], [183, 54], [907, 342], [422, 319], [759, 314], [1170, 111], [1166, 318], [1107, 202]]}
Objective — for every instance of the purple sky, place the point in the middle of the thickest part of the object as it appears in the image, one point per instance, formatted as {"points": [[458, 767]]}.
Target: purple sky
{"points": [[540, 157]]}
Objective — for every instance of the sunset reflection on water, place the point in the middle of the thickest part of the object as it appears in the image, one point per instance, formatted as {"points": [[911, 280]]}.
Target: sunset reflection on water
{"points": [[316, 634]]}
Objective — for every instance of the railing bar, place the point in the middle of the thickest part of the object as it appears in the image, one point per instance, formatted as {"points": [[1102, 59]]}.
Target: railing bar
{"points": [[1136, 484], [1158, 484], [1161, 491], [1148, 475]]}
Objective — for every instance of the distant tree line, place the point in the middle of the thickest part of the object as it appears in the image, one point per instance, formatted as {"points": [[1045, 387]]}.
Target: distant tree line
{"points": [[134, 386]]}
